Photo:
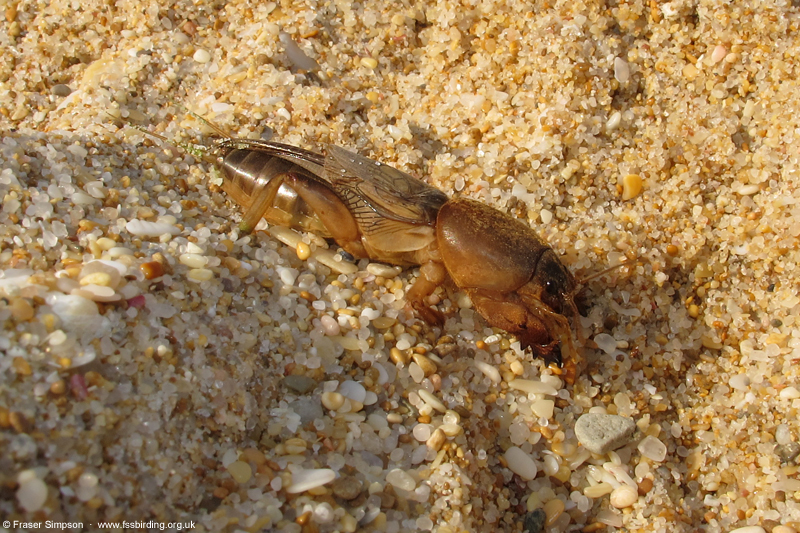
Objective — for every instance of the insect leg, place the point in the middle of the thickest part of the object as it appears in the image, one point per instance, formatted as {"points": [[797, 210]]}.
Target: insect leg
{"points": [[333, 213], [272, 175], [431, 275]]}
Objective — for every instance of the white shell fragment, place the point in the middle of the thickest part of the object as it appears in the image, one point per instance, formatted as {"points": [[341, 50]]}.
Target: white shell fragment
{"points": [[78, 314], [296, 54], [145, 228], [304, 480]]}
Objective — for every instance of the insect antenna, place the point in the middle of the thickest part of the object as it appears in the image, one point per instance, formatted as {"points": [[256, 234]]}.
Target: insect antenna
{"points": [[197, 150], [602, 273], [581, 285]]}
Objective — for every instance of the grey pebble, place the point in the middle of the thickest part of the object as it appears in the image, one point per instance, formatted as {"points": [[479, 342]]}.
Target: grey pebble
{"points": [[299, 384], [534, 521], [346, 487], [602, 433], [61, 90], [788, 452]]}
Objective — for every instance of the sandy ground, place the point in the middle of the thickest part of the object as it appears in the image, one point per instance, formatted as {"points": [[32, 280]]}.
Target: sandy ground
{"points": [[193, 377]]}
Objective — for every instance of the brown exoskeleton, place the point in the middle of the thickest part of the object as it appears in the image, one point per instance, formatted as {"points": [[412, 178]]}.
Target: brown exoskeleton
{"points": [[514, 279]]}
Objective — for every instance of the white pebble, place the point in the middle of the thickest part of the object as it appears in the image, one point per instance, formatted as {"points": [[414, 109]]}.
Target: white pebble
{"points": [[416, 372], [422, 432], [490, 371], [193, 260], [606, 342], [353, 390], [401, 479], [78, 314], [551, 465], [200, 274], [32, 493], [431, 400], [145, 228], [749, 529], [332, 400], [622, 71], [790, 393], [521, 463], [614, 121], [740, 382], [543, 408], [323, 513], [330, 325], [533, 387], [386, 271], [546, 216], [718, 54], [296, 54], [308, 479], [202, 56], [652, 448], [782, 434], [623, 496]]}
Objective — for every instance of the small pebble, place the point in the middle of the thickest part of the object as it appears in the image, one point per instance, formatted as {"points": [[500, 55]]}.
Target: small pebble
{"points": [[631, 186], [240, 472], [740, 382], [332, 400], [303, 251], [622, 71], [598, 491], [401, 479], [202, 56], [369, 62], [97, 278], [200, 274], [385, 271], [152, 270], [790, 393], [534, 521], [606, 342], [21, 309], [61, 90], [532, 387], [346, 487], [330, 325], [299, 384], [623, 496], [718, 54], [353, 390], [432, 400], [653, 449], [428, 367], [309, 479], [193, 260], [521, 463], [489, 371], [749, 529], [32, 492], [787, 453], [553, 510], [601, 433], [436, 440]]}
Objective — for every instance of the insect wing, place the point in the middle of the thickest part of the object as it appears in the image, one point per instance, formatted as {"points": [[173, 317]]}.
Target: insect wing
{"points": [[379, 195], [311, 161]]}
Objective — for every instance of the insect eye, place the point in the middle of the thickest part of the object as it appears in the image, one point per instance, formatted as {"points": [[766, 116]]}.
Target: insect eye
{"points": [[551, 288]]}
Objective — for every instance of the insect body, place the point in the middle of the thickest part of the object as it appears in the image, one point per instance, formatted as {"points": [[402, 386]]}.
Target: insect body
{"points": [[515, 280]]}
